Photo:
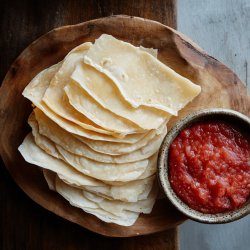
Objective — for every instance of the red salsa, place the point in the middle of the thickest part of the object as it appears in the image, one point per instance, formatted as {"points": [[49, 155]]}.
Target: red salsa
{"points": [[209, 167]]}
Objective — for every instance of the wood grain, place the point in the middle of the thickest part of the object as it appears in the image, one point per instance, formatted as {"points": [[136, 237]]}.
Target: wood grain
{"points": [[220, 88], [24, 224], [24, 21]]}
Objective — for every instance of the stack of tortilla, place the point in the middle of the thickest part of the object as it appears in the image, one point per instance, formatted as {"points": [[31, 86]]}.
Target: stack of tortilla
{"points": [[98, 121]]}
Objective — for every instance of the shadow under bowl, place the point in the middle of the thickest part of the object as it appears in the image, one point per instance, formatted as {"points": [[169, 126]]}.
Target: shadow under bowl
{"points": [[234, 118]]}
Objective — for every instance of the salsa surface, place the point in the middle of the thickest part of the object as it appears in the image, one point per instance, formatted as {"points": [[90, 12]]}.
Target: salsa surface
{"points": [[209, 167]]}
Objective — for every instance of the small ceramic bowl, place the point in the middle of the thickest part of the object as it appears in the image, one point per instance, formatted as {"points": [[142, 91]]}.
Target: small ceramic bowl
{"points": [[227, 115]]}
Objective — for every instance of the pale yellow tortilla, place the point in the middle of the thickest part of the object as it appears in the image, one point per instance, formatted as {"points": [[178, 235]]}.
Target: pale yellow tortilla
{"points": [[115, 149], [88, 106], [35, 91], [104, 91], [49, 147], [80, 146], [76, 198], [132, 191], [128, 191], [55, 98], [115, 207], [34, 155], [54, 95], [141, 79], [137, 189], [43, 142], [118, 208], [75, 146], [106, 171]]}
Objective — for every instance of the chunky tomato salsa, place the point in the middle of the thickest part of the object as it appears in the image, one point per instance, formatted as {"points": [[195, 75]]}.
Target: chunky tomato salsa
{"points": [[209, 167]]}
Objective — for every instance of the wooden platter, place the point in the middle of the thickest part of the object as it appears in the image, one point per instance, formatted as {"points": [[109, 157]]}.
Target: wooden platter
{"points": [[220, 88]]}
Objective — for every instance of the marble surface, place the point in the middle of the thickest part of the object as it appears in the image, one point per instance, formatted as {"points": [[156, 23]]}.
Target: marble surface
{"points": [[222, 28]]}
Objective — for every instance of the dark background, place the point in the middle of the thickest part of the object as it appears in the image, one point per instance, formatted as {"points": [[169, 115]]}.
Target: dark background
{"points": [[23, 223]]}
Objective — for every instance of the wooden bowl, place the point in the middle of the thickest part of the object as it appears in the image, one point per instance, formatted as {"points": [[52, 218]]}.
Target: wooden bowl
{"points": [[234, 118], [220, 88]]}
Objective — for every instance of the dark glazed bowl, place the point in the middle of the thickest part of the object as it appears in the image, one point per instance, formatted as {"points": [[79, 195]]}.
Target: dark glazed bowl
{"points": [[232, 117]]}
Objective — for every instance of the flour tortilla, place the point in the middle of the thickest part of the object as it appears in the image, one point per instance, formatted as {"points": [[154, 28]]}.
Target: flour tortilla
{"points": [[124, 193], [63, 188], [34, 155], [76, 198], [107, 171], [119, 207], [141, 79], [149, 171], [93, 197], [73, 145], [140, 154], [88, 106], [127, 191], [130, 191], [35, 91], [113, 148], [54, 96], [104, 91], [84, 146], [43, 142]]}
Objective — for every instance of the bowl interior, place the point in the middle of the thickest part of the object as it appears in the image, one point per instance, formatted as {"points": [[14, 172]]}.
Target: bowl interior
{"points": [[234, 118]]}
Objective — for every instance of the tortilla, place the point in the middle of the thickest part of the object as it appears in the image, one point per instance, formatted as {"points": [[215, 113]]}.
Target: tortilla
{"points": [[89, 107], [54, 94], [42, 141], [83, 146], [76, 198], [35, 91], [106, 171], [71, 144], [56, 100], [130, 191], [141, 79], [115, 149], [104, 91], [101, 171], [34, 155], [149, 171], [119, 207]]}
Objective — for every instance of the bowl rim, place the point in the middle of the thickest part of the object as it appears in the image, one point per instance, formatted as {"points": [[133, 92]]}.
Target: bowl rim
{"points": [[162, 165]]}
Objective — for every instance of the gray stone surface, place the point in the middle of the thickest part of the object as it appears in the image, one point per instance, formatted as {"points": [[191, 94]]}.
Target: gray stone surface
{"points": [[222, 28], [232, 236]]}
